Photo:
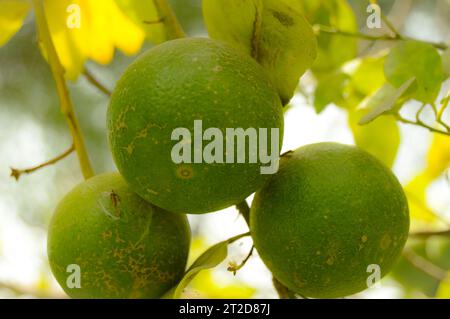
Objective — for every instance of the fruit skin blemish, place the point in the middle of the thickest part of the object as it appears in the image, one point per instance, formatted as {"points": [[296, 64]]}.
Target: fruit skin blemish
{"points": [[170, 88]]}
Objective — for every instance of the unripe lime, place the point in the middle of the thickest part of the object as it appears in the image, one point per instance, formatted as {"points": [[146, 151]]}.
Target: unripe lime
{"points": [[170, 87], [105, 241], [331, 222]]}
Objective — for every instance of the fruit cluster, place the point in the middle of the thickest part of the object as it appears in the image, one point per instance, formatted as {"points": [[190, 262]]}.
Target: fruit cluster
{"points": [[329, 214]]}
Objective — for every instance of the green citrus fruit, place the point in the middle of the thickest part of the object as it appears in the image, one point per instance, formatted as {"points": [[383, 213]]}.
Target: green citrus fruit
{"points": [[106, 242], [331, 222], [171, 86]]}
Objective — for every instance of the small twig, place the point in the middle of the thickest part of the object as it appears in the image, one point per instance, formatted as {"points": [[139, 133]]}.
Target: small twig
{"points": [[244, 210], [424, 265], [397, 37], [422, 124], [16, 173], [440, 114], [391, 27], [427, 234], [234, 268], [160, 20], [96, 83]]}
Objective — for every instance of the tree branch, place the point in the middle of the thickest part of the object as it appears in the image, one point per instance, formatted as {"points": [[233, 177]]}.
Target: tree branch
{"points": [[424, 265], [63, 92], [397, 37]]}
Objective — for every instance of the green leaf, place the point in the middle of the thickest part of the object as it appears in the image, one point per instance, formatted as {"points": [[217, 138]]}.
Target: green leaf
{"points": [[145, 15], [381, 137], [446, 63], [383, 100], [329, 90], [419, 60], [334, 50], [369, 75], [274, 32], [209, 259]]}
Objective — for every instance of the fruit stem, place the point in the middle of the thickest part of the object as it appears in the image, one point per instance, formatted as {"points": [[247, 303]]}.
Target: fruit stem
{"points": [[90, 77], [61, 86], [283, 292], [16, 173], [169, 19], [244, 210]]}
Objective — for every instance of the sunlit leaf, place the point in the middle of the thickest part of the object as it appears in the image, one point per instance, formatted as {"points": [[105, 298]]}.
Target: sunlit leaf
{"points": [[330, 89], [438, 161], [446, 63], [369, 75], [382, 101], [145, 16], [274, 32], [207, 286], [209, 259], [444, 288], [12, 14], [410, 59], [381, 137], [102, 28]]}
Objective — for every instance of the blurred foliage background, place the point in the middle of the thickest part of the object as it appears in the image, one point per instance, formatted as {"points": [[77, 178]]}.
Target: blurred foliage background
{"points": [[348, 70]]}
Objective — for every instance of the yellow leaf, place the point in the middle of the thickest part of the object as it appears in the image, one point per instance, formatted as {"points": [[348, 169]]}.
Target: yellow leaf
{"points": [[444, 289], [145, 15], [208, 286], [438, 160], [85, 29], [439, 156], [69, 44], [12, 14]]}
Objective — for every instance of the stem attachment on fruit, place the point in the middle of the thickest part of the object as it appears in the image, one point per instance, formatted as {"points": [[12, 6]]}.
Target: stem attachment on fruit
{"points": [[16, 173], [63, 92], [169, 19], [283, 292]]}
